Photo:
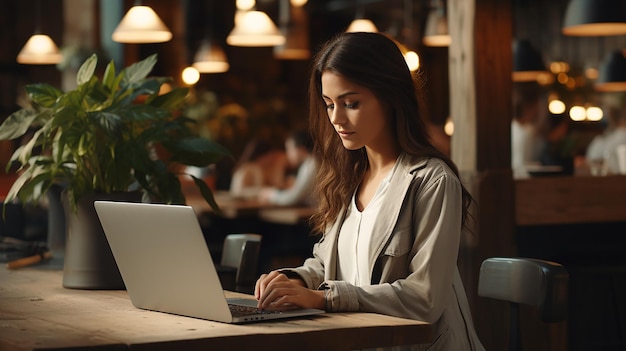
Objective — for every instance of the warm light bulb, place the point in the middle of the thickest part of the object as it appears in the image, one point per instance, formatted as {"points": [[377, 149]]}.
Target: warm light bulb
{"points": [[556, 107], [577, 113], [245, 5], [190, 76], [412, 60], [594, 113], [448, 128]]}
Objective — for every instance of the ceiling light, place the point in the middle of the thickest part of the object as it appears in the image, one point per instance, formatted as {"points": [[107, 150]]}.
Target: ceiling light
{"points": [[595, 18], [141, 25], [362, 25], [254, 28], [528, 64], [210, 58], [612, 73], [294, 26], [436, 32], [40, 49]]}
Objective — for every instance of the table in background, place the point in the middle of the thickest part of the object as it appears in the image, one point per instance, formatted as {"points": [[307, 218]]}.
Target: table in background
{"points": [[37, 313], [244, 208]]}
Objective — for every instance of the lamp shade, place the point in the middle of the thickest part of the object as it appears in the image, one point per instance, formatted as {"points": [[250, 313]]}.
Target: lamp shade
{"points": [[436, 31], [141, 25], [254, 28], [294, 26], [612, 75], [40, 49], [362, 25], [527, 62], [210, 58], [595, 18]]}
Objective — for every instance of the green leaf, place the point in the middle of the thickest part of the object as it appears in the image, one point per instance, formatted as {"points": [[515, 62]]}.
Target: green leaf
{"points": [[43, 94], [171, 100], [107, 120], [17, 124], [86, 70], [139, 70], [207, 194], [108, 79]]}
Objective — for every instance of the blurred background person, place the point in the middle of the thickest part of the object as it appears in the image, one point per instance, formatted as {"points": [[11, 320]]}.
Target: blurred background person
{"points": [[297, 191], [528, 113], [261, 165], [601, 154]]}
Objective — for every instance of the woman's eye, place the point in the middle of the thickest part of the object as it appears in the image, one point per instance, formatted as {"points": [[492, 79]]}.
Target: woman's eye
{"points": [[352, 105], [330, 106]]}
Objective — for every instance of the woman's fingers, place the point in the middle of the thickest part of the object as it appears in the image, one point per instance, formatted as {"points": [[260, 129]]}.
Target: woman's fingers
{"points": [[265, 280]]}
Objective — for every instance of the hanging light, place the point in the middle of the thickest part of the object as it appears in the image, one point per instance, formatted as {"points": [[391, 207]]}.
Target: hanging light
{"points": [[40, 49], [612, 73], [528, 64], [141, 25], [595, 18], [254, 28], [436, 32], [361, 24], [210, 58], [294, 26]]}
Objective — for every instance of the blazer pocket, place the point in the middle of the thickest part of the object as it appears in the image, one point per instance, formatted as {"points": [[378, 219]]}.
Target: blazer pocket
{"points": [[400, 243]]}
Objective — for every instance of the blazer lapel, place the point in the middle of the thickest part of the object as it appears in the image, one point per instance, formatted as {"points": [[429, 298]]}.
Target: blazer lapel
{"points": [[394, 200]]}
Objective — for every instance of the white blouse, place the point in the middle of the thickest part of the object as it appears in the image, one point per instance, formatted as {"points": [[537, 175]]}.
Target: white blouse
{"points": [[354, 237]]}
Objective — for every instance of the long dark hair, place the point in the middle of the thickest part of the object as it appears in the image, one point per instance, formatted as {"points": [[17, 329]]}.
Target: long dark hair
{"points": [[375, 62]]}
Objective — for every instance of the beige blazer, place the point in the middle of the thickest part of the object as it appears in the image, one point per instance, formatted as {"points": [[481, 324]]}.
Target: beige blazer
{"points": [[413, 256]]}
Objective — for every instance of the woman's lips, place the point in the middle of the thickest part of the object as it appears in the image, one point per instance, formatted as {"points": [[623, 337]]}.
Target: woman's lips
{"points": [[343, 133]]}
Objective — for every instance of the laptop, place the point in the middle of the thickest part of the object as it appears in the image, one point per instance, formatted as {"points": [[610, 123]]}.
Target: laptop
{"points": [[166, 265]]}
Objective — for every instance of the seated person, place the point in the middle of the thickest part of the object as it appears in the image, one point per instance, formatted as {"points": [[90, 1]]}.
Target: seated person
{"points": [[602, 151], [299, 148], [260, 166]]}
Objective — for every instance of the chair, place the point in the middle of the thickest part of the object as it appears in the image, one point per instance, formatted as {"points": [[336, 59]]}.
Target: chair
{"points": [[238, 267], [538, 283]]}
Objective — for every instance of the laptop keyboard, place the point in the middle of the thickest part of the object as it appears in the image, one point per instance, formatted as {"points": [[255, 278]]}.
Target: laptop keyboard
{"points": [[240, 311]]}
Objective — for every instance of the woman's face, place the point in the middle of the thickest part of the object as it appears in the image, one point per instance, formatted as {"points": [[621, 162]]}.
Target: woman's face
{"points": [[356, 114]]}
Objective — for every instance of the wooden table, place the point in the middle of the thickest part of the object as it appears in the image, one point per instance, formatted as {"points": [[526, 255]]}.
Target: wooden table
{"points": [[241, 208], [570, 199], [37, 313]]}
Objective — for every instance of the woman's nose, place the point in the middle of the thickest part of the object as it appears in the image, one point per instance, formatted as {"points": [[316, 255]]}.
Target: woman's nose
{"points": [[336, 117]]}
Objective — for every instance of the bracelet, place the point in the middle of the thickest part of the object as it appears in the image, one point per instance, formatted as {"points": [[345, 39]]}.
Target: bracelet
{"points": [[327, 297]]}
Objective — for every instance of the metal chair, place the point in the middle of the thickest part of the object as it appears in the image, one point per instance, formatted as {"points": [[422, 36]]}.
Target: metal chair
{"points": [[238, 267], [539, 283]]}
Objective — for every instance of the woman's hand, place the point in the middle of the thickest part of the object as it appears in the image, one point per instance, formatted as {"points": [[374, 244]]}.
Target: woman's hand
{"points": [[277, 292]]}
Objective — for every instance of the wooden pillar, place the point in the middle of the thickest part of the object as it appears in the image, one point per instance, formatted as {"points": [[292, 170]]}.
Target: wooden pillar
{"points": [[480, 66]]}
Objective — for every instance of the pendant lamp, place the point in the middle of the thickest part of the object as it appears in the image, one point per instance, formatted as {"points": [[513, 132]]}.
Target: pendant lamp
{"points": [[254, 28], [612, 73], [40, 49], [210, 58], [294, 26], [595, 18], [436, 31], [361, 24], [528, 64], [141, 25]]}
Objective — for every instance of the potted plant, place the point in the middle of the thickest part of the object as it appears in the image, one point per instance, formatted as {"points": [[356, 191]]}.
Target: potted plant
{"points": [[107, 137]]}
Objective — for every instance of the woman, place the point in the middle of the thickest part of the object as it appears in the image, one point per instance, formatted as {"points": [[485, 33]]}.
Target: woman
{"points": [[391, 206]]}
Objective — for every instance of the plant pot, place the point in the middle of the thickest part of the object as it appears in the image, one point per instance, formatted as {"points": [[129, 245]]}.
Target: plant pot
{"points": [[88, 261]]}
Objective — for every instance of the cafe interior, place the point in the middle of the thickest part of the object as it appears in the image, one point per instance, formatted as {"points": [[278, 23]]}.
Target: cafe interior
{"points": [[472, 56]]}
